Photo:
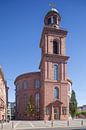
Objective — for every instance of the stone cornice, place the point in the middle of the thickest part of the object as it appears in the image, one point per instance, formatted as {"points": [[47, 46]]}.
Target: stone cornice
{"points": [[54, 31], [55, 58], [26, 75], [70, 81], [56, 82]]}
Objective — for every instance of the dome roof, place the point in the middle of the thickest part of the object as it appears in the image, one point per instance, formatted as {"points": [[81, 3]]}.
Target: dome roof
{"points": [[53, 10]]}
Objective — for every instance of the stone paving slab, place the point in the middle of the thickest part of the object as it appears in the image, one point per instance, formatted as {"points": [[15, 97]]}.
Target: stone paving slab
{"points": [[42, 124], [24, 125]]}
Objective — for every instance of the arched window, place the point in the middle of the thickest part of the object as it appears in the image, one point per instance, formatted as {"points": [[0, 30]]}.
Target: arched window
{"points": [[37, 96], [54, 20], [56, 92], [55, 72], [49, 20], [55, 47]]}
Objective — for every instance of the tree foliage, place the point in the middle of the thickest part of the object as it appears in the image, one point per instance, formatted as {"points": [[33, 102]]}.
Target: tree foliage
{"points": [[73, 104], [31, 107], [81, 114]]}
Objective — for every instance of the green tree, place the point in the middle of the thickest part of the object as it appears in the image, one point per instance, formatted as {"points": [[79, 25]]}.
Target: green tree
{"points": [[73, 105], [30, 109]]}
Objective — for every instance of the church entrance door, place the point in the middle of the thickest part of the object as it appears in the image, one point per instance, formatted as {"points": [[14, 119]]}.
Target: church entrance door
{"points": [[56, 113]]}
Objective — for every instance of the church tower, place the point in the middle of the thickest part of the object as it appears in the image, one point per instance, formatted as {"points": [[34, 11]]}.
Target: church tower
{"points": [[55, 85]]}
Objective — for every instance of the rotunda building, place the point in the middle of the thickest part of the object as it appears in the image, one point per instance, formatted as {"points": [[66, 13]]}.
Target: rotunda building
{"points": [[27, 85]]}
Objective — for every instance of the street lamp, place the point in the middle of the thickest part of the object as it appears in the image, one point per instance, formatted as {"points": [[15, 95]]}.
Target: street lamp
{"points": [[52, 112]]}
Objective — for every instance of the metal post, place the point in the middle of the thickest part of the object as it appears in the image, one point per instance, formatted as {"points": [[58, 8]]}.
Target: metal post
{"points": [[12, 124], [52, 115], [51, 123], [44, 115], [1, 125], [82, 123], [67, 123], [45, 121]]}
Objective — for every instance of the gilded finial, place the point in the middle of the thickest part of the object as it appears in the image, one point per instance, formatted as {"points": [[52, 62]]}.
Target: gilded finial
{"points": [[52, 5]]}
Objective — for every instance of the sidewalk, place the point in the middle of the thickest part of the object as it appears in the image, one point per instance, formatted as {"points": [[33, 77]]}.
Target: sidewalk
{"points": [[24, 125]]}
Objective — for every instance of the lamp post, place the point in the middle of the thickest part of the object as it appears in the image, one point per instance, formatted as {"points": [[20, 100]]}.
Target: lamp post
{"points": [[44, 114], [52, 116], [52, 113]]}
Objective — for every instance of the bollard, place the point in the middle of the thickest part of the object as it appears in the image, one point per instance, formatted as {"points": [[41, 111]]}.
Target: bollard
{"points": [[12, 124], [51, 123], [1, 125], [67, 123], [45, 121], [82, 123]]}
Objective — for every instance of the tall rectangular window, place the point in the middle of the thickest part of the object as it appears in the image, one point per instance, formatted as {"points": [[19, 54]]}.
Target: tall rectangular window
{"points": [[37, 83], [55, 72], [25, 84], [55, 47]]}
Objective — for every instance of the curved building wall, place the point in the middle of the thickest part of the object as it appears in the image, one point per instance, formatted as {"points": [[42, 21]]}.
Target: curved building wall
{"points": [[27, 85]]}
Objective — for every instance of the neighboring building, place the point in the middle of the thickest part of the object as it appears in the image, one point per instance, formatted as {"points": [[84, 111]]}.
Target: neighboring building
{"points": [[81, 112], [11, 111], [82, 108], [50, 88], [3, 96]]}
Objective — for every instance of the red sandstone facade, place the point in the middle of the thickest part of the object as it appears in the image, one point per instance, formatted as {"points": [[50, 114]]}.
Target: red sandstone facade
{"points": [[3, 97], [50, 88]]}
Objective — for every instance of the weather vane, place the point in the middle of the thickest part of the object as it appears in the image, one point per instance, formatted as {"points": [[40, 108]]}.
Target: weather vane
{"points": [[52, 5]]}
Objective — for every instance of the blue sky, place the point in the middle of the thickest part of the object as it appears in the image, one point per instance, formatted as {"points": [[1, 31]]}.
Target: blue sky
{"points": [[21, 24]]}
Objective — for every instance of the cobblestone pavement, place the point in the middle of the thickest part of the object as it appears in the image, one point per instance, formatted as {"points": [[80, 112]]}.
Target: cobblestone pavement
{"points": [[28, 125]]}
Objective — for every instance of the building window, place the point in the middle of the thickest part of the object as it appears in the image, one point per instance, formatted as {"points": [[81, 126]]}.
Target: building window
{"points": [[25, 101], [55, 47], [37, 100], [64, 110], [25, 84], [56, 92], [49, 21], [47, 111], [54, 20], [55, 72], [18, 87], [17, 100], [37, 83]]}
